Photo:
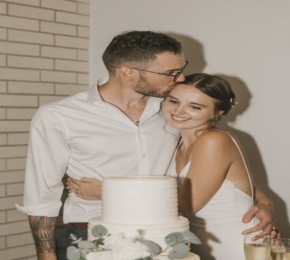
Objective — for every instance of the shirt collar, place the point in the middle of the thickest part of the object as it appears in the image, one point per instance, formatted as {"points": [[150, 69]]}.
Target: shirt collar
{"points": [[93, 92], [94, 95]]}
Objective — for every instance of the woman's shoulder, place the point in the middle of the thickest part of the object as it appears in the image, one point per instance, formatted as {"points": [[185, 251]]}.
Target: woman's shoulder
{"points": [[216, 137]]}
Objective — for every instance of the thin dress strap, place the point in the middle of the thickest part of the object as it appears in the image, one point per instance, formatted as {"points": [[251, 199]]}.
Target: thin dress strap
{"points": [[246, 166]]}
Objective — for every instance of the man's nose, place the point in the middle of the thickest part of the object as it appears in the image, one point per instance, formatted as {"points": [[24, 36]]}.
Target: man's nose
{"points": [[180, 78]]}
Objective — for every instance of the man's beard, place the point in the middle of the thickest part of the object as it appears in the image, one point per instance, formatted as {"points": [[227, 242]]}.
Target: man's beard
{"points": [[145, 88]]}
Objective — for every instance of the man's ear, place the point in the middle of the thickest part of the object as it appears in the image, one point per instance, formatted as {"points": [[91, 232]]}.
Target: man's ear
{"points": [[126, 73]]}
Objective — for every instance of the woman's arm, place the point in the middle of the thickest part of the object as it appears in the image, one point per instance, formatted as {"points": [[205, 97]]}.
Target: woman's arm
{"points": [[211, 158]]}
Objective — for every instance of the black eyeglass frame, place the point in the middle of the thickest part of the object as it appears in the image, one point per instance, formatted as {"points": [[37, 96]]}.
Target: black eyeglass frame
{"points": [[179, 72]]}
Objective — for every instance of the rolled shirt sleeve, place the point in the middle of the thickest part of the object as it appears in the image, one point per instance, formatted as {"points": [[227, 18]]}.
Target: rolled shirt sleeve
{"points": [[47, 160]]}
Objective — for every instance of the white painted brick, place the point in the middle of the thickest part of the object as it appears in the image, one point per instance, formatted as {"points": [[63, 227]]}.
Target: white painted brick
{"points": [[11, 177], [3, 88], [2, 113], [61, 77], [77, 66], [3, 8], [83, 9], [58, 28], [14, 126], [65, 89], [30, 87], [19, 23], [3, 139], [17, 252], [83, 79], [60, 5], [72, 18], [83, 31], [19, 48], [2, 242], [43, 100], [18, 101], [15, 164], [9, 203], [31, 37], [2, 217], [61, 53], [23, 113], [24, 2], [18, 139], [3, 34], [19, 240], [2, 190], [2, 165], [2, 60], [19, 74], [13, 151], [83, 55], [72, 42], [14, 215], [30, 12], [27, 62], [15, 189]]}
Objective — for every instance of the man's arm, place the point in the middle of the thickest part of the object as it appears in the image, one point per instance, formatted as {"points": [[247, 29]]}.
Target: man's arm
{"points": [[43, 230], [263, 210]]}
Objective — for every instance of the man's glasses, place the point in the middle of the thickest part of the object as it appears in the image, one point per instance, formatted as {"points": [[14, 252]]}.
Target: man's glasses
{"points": [[174, 74]]}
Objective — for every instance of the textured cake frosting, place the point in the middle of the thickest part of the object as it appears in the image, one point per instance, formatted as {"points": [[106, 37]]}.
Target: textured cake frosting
{"points": [[141, 202]]}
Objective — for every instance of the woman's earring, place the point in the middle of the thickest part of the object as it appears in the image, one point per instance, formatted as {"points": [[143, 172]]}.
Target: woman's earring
{"points": [[212, 119]]}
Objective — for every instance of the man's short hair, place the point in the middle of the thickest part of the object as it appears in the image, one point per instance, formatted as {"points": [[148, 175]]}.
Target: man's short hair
{"points": [[135, 47]]}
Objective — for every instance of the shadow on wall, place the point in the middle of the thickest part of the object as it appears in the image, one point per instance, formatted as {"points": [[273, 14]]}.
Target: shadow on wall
{"points": [[193, 51]]}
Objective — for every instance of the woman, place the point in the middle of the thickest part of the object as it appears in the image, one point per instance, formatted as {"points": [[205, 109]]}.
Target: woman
{"points": [[215, 183]]}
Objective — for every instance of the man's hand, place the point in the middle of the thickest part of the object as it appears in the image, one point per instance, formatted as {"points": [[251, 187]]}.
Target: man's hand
{"points": [[86, 188], [263, 210], [43, 230]]}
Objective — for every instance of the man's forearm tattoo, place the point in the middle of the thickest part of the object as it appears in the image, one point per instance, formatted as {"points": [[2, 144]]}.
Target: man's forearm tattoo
{"points": [[43, 230]]}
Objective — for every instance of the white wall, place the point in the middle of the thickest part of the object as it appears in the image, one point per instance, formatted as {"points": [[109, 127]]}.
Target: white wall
{"points": [[248, 42]]}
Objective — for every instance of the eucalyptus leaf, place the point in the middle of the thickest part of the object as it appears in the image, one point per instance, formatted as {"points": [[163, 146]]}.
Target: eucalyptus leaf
{"points": [[154, 249], [190, 237], [73, 253], [99, 231], [178, 251], [174, 238], [87, 244]]}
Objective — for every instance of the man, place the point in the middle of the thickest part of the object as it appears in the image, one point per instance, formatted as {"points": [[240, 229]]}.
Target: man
{"points": [[112, 129]]}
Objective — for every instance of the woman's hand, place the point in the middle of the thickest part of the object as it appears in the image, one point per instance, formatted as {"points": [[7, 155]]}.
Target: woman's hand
{"points": [[86, 188]]}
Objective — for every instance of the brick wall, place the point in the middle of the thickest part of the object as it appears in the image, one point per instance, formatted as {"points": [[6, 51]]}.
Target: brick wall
{"points": [[43, 58]]}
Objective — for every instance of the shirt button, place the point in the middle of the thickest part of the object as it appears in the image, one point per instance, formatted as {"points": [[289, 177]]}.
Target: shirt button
{"points": [[144, 155]]}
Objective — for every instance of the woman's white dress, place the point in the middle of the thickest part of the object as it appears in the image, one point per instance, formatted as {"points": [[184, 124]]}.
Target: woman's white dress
{"points": [[219, 223]]}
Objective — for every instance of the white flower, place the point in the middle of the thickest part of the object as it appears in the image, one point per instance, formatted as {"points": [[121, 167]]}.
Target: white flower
{"points": [[129, 249], [113, 240], [104, 255]]}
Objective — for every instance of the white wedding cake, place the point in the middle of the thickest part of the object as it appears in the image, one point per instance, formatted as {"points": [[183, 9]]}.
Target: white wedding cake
{"points": [[147, 203]]}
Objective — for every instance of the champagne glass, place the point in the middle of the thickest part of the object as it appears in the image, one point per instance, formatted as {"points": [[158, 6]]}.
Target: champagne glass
{"points": [[280, 249], [258, 249]]}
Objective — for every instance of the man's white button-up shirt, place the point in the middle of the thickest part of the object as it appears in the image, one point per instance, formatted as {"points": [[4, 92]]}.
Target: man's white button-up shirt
{"points": [[84, 136]]}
